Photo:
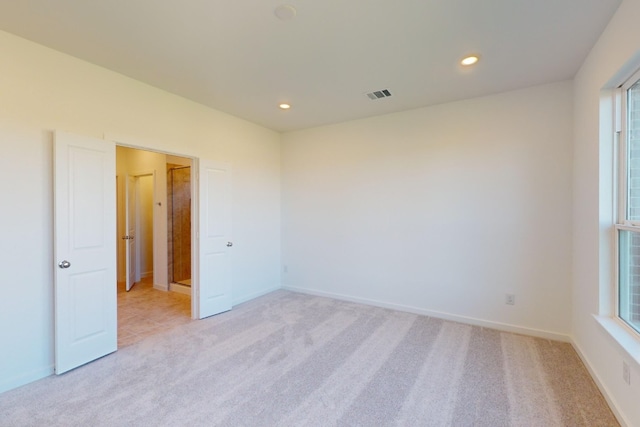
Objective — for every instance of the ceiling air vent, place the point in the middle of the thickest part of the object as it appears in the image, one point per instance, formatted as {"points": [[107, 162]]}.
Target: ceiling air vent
{"points": [[377, 94]]}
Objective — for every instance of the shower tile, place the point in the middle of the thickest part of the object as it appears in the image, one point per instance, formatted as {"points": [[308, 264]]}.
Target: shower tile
{"points": [[180, 223]]}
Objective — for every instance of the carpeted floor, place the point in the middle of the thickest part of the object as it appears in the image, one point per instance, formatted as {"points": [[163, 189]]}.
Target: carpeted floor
{"points": [[289, 359]]}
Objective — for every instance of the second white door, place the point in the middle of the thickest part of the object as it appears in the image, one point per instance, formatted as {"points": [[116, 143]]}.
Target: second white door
{"points": [[214, 239]]}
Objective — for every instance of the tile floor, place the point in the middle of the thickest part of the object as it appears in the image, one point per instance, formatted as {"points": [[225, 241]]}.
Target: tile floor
{"points": [[145, 311]]}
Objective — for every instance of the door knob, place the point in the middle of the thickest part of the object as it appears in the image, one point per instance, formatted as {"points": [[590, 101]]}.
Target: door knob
{"points": [[229, 244], [64, 264]]}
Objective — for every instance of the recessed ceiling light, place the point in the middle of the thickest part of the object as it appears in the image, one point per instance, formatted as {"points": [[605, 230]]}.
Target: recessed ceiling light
{"points": [[469, 60], [285, 12], [284, 106]]}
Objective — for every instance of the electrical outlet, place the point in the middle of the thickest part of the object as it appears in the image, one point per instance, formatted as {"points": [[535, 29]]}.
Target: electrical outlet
{"points": [[510, 299], [626, 373]]}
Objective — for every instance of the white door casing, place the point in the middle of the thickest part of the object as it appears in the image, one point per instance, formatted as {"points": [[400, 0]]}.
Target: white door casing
{"points": [[213, 239], [85, 223]]}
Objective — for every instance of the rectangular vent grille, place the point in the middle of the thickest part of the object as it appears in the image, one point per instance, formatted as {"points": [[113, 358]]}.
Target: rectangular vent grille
{"points": [[377, 94]]}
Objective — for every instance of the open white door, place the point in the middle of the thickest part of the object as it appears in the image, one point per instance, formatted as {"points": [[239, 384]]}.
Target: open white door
{"points": [[214, 244], [130, 227], [85, 250]]}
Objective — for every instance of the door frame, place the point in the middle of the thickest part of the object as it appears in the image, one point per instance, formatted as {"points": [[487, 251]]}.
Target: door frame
{"points": [[97, 312]]}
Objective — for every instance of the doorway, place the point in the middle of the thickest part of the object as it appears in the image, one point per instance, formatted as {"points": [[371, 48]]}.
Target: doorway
{"points": [[86, 240], [145, 214]]}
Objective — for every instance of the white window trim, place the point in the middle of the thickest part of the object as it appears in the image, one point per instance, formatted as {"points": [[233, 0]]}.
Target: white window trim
{"points": [[622, 332], [620, 128]]}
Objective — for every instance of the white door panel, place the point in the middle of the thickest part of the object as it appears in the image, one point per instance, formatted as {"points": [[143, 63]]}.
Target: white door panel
{"points": [[85, 223], [214, 290]]}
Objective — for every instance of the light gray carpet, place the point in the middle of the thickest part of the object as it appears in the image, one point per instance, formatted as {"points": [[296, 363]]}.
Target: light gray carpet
{"points": [[288, 359]]}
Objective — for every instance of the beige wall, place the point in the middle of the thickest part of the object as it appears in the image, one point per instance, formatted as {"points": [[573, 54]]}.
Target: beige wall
{"points": [[145, 226], [440, 210], [135, 162]]}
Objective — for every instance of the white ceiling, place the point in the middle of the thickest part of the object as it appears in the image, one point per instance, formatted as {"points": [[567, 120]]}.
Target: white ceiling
{"points": [[238, 57]]}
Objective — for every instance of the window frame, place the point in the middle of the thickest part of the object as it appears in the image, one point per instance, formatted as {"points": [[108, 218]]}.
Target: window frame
{"points": [[621, 190]]}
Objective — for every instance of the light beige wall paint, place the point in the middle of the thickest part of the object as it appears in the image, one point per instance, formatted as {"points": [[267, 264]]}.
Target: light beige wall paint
{"points": [[136, 162], [26, 316], [43, 90], [146, 228], [440, 210], [613, 58]]}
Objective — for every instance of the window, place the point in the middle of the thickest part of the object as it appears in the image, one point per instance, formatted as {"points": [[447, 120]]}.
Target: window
{"points": [[628, 223]]}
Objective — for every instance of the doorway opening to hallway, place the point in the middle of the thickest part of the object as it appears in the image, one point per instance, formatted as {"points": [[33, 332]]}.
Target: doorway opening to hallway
{"points": [[154, 243]]}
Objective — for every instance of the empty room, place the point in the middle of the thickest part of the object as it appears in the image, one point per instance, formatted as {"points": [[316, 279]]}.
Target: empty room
{"points": [[408, 213]]}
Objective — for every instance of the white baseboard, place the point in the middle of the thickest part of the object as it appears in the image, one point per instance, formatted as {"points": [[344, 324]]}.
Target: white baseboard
{"points": [[20, 380], [249, 297], [180, 288], [440, 315], [603, 389], [161, 287]]}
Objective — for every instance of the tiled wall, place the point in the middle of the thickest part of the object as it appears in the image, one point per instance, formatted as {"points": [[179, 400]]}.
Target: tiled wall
{"points": [[179, 222]]}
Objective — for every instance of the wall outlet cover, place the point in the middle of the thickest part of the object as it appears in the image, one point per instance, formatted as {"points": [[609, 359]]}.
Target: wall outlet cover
{"points": [[626, 372], [510, 299]]}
